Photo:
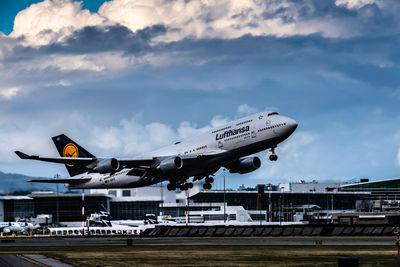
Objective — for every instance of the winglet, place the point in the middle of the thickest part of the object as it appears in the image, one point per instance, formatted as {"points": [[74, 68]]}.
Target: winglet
{"points": [[25, 156]]}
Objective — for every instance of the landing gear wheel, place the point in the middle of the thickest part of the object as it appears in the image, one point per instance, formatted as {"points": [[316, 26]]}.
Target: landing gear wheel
{"points": [[207, 186], [273, 157], [190, 185], [171, 187], [209, 180], [183, 187]]}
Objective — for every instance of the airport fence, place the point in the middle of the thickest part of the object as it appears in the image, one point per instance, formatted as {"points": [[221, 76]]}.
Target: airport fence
{"points": [[269, 231]]}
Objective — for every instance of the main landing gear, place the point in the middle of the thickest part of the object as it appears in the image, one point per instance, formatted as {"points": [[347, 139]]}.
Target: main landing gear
{"points": [[183, 187], [174, 183], [273, 156], [209, 181]]}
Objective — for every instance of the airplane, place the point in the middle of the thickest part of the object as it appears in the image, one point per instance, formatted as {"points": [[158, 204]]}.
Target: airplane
{"points": [[98, 224], [228, 146], [16, 227]]}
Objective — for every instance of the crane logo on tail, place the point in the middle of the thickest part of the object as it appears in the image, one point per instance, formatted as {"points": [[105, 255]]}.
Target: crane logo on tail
{"points": [[70, 150]]}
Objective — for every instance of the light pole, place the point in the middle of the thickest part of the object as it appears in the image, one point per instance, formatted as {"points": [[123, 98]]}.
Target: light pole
{"points": [[162, 200], [283, 203], [224, 197], [269, 187], [58, 204]]}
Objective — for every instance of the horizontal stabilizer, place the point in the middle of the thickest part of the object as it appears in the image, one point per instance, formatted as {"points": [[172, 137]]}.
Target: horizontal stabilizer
{"points": [[63, 160], [25, 156], [61, 181]]}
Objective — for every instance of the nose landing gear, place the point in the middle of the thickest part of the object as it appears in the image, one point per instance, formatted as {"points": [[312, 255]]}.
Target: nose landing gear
{"points": [[273, 156]]}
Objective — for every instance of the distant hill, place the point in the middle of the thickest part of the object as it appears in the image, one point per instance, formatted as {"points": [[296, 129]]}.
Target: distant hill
{"points": [[14, 183]]}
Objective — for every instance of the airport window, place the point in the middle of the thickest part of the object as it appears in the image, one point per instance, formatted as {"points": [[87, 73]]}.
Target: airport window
{"points": [[112, 192], [126, 193]]}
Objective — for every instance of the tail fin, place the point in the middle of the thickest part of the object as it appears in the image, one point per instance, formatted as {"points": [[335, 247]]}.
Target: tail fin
{"points": [[103, 209], [68, 148]]}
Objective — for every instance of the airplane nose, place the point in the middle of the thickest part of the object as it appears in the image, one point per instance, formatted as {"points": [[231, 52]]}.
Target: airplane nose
{"points": [[292, 125]]}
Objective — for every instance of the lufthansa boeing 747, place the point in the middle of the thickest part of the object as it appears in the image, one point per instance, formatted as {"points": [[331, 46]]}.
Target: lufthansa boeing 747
{"points": [[228, 146]]}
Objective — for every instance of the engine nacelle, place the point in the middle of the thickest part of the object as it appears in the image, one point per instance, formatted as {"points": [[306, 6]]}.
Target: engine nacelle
{"points": [[171, 165], [107, 166], [245, 165]]}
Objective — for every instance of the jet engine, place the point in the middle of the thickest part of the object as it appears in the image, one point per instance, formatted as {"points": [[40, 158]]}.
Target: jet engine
{"points": [[171, 165], [245, 165], [107, 166]]}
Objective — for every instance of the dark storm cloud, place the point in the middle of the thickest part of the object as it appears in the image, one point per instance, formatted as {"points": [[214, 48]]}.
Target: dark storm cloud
{"points": [[372, 57], [94, 39], [371, 60], [309, 9], [365, 20]]}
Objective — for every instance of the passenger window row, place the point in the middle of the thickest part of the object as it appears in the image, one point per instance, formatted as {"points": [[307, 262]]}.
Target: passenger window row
{"points": [[271, 127], [243, 122], [226, 128]]}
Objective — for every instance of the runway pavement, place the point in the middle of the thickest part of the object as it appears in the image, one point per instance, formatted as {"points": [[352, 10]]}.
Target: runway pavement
{"points": [[32, 242], [8, 260], [29, 260]]}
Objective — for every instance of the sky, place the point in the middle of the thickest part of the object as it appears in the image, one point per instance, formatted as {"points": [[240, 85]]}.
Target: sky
{"points": [[125, 77]]}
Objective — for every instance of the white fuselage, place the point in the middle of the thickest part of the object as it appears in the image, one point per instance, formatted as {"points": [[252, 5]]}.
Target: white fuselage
{"points": [[235, 139], [15, 227]]}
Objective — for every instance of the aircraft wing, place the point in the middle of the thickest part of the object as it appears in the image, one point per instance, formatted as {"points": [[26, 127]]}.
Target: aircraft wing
{"points": [[148, 163], [61, 181], [142, 164], [209, 153]]}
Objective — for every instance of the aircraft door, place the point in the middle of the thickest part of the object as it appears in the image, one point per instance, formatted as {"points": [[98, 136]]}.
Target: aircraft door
{"points": [[220, 145], [253, 132]]}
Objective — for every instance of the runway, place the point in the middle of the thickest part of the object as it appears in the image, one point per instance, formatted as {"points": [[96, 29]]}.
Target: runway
{"points": [[9, 260], [29, 260], [85, 242]]}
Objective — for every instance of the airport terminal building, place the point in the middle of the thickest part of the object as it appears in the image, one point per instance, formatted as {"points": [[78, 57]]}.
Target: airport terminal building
{"points": [[284, 202]]}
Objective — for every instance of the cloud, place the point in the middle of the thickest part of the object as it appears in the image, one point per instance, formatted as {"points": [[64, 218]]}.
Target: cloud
{"points": [[131, 138], [95, 39], [8, 93], [398, 157], [187, 130], [232, 19], [52, 20], [355, 4], [245, 109], [62, 38]]}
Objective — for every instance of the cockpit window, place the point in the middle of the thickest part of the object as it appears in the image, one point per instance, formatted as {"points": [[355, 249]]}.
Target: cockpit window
{"points": [[273, 113]]}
